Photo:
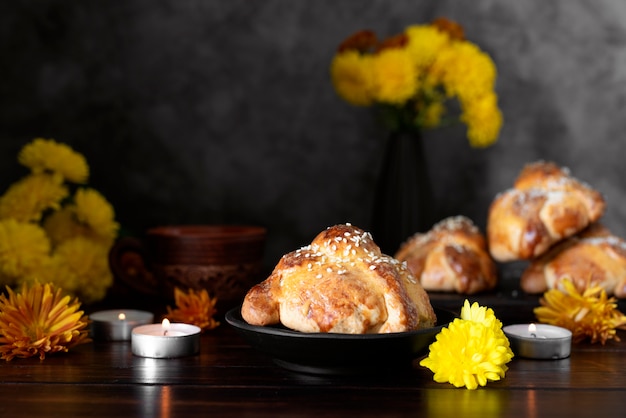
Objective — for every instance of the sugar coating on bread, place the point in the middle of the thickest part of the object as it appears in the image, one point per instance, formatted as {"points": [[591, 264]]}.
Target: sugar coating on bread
{"points": [[341, 283], [451, 257], [545, 206], [591, 258]]}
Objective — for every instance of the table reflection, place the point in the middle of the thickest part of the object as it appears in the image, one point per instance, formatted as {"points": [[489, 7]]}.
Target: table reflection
{"points": [[156, 401]]}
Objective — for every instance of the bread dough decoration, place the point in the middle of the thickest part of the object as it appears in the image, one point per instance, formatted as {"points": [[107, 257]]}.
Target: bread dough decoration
{"points": [[594, 257], [451, 257], [545, 206], [340, 283]]}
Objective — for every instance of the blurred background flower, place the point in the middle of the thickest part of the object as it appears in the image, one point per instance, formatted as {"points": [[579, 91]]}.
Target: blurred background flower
{"points": [[194, 307], [51, 229], [425, 77]]}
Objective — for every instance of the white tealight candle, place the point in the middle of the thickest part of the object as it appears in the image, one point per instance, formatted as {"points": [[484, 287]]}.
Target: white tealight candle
{"points": [[116, 325], [165, 340], [539, 341]]}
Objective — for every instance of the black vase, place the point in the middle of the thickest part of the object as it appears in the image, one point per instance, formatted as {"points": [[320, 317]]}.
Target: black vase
{"points": [[403, 200]]}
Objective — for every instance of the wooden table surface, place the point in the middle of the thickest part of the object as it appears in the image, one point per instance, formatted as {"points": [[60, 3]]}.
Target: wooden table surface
{"points": [[231, 379]]}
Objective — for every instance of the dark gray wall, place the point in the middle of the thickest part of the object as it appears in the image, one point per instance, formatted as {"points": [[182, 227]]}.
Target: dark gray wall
{"points": [[222, 111]]}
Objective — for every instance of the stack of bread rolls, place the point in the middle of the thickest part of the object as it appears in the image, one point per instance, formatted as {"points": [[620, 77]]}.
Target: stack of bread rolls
{"points": [[551, 219], [548, 218]]}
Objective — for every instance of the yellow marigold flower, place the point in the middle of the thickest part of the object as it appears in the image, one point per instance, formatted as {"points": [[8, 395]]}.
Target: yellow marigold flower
{"points": [[590, 315], [24, 247], [483, 119], [39, 320], [85, 266], [89, 216], [194, 307], [351, 75], [46, 155], [395, 76], [28, 198], [471, 351], [465, 71], [94, 211], [62, 225], [400, 74], [425, 43]]}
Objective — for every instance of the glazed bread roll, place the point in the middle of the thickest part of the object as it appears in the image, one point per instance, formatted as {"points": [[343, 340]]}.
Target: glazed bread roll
{"points": [[592, 258], [545, 206], [340, 283], [451, 257]]}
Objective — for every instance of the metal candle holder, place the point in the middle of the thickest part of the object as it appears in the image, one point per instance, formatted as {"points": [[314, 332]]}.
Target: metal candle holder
{"points": [[539, 341], [116, 325], [165, 341]]}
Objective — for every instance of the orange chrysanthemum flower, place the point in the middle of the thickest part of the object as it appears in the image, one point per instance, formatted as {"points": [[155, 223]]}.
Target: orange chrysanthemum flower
{"points": [[194, 307], [588, 315], [39, 320]]}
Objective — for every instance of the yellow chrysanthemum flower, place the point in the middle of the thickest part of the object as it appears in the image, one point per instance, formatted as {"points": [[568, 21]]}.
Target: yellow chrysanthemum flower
{"points": [[62, 225], [46, 155], [86, 263], [425, 42], [24, 247], [590, 314], [471, 350], [194, 307], [481, 314], [483, 119], [395, 76], [91, 217], [27, 199], [413, 77], [42, 236], [352, 77], [95, 211], [39, 320], [465, 71]]}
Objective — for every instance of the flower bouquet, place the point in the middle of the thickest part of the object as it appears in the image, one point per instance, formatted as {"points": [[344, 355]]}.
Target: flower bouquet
{"points": [[426, 77], [413, 78], [52, 230]]}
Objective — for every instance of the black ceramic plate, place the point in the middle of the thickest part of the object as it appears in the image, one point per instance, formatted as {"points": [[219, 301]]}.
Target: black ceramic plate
{"points": [[331, 353]]}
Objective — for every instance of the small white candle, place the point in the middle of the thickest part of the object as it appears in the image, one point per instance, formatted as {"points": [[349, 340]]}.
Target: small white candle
{"points": [[539, 341], [165, 340], [116, 325]]}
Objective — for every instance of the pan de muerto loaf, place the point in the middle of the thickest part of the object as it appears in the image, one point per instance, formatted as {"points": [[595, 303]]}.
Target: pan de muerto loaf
{"points": [[340, 283], [451, 257], [594, 257], [545, 206]]}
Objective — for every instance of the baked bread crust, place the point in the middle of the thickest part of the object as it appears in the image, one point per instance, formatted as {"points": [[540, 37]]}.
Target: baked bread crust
{"points": [[593, 258], [451, 257], [545, 206], [340, 283]]}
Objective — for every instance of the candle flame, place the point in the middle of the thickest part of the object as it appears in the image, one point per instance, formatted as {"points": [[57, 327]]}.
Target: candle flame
{"points": [[121, 316], [532, 328], [165, 325]]}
